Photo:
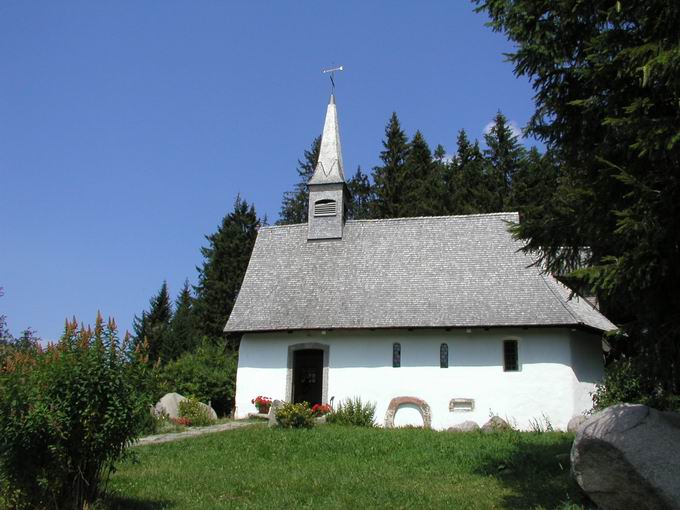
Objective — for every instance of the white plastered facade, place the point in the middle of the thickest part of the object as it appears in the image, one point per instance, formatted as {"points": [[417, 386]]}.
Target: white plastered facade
{"points": [[558, 371]]}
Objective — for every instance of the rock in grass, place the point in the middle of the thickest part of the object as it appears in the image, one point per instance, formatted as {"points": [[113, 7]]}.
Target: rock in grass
{"points": [[496, 424], [576, 422], [276, 405], [628, 456], [169, 405], [466, 426]]}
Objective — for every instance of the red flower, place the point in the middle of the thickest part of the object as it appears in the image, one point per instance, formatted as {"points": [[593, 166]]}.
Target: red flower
{"points": [[321, 409], [262, 403]]}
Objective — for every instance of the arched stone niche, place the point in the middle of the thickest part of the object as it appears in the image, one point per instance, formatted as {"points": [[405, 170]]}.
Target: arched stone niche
{"points": [[420, 404]]}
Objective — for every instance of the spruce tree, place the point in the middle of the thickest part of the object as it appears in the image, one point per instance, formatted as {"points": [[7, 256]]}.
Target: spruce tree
{"points": [[534, 185], [466, 179], [421, 189], [389, 178], [504, 155], [225, 262], [183, 336], [362, 200], [153, 327], [295, 203], [606, 77]]}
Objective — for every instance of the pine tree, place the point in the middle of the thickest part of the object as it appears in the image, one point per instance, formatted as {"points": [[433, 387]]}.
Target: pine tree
{"points": [[295, 203], [504, 155], [362, 200], [389, 178], [153, 326], [183, 336], [225, 262]]}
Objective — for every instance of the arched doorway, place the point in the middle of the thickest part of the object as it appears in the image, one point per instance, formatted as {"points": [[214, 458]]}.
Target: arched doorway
{"points": [[307, 379], [308, 376]]}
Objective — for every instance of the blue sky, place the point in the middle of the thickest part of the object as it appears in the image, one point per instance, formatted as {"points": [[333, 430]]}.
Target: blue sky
{"points": [[127, 128]]}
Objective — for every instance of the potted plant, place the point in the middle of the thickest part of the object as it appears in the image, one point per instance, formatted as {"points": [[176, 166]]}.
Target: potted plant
{"points": [[262, 404], [321, 409]]}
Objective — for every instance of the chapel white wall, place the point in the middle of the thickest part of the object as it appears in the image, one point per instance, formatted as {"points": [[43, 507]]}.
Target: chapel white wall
{"points": [[558, 371]]}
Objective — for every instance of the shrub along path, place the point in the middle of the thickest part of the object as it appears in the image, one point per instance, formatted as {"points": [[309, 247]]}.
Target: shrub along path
{"points": [[344, 467], [192, 432]]}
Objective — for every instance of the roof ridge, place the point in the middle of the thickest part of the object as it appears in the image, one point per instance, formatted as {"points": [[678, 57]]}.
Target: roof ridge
{"points": [[407, 218], [440, 217]]}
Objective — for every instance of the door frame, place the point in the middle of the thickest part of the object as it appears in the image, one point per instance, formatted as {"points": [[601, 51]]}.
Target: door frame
{"points": [[289, 371]]}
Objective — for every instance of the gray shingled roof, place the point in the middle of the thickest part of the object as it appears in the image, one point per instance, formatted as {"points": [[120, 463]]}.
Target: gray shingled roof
{"points": [[450, 271]]}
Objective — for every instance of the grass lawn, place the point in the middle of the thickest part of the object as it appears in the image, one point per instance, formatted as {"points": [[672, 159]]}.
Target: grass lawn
{"points": [[343, 467]]}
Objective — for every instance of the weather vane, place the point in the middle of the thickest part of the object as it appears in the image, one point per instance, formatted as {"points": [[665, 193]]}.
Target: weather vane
{"points": [[332, 73]]}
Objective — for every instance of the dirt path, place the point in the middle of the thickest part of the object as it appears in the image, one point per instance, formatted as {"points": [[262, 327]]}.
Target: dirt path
{"points": [[174, 436]]}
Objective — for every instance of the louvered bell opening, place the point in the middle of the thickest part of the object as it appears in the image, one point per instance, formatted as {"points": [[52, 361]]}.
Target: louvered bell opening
{"points": [[325, 208]]}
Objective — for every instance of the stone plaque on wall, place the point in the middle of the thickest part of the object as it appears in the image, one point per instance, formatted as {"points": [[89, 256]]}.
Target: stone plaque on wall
{"points": [[458, 405]]}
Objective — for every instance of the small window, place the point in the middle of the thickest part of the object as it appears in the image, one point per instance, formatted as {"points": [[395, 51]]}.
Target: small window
{"points": [[396, 355], [510, 359], [444, 356], [324, 207]]}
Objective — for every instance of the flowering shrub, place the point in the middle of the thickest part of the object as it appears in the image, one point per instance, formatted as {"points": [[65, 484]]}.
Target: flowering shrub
{"points": [[321, 409], [67, 414], [197, 413], [295, 416], [262, 404]]}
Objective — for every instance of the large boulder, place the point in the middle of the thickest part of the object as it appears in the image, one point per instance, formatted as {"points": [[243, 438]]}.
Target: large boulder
{"points": [[466, 426], [169, 405], [575, 423], [628, 456], [276, 405], [496, 424]]}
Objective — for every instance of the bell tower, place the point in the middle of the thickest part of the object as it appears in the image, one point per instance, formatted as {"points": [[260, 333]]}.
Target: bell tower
{"points": [[327, 187]]}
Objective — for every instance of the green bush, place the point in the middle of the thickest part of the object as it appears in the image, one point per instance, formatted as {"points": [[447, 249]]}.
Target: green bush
{"points": [[353, 412], [195, 412], [67, 414], [208, 374], [295, 416], [625, 382]]}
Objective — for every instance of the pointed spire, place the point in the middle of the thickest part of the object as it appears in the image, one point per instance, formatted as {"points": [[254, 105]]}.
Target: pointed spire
{"points": [[329, 169]]}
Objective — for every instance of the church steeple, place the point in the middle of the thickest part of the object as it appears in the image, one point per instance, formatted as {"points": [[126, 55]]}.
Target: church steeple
{"points": [[329, 167], [327, 188]]}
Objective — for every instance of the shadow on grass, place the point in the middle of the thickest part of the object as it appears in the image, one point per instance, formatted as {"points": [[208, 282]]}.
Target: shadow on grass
{"points": [[537, 475], [118, 502]]}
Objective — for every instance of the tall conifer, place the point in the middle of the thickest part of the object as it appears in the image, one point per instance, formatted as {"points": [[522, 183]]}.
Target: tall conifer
{"points": [[466, 181], [362, 200], [183, 336], [225, 262], [421, 190], [504, 154], [389, 178], [153, 326], [606, 77], [295, 203]]}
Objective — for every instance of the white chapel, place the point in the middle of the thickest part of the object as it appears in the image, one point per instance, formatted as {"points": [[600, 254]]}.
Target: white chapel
{"points": [[437, 320]]}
